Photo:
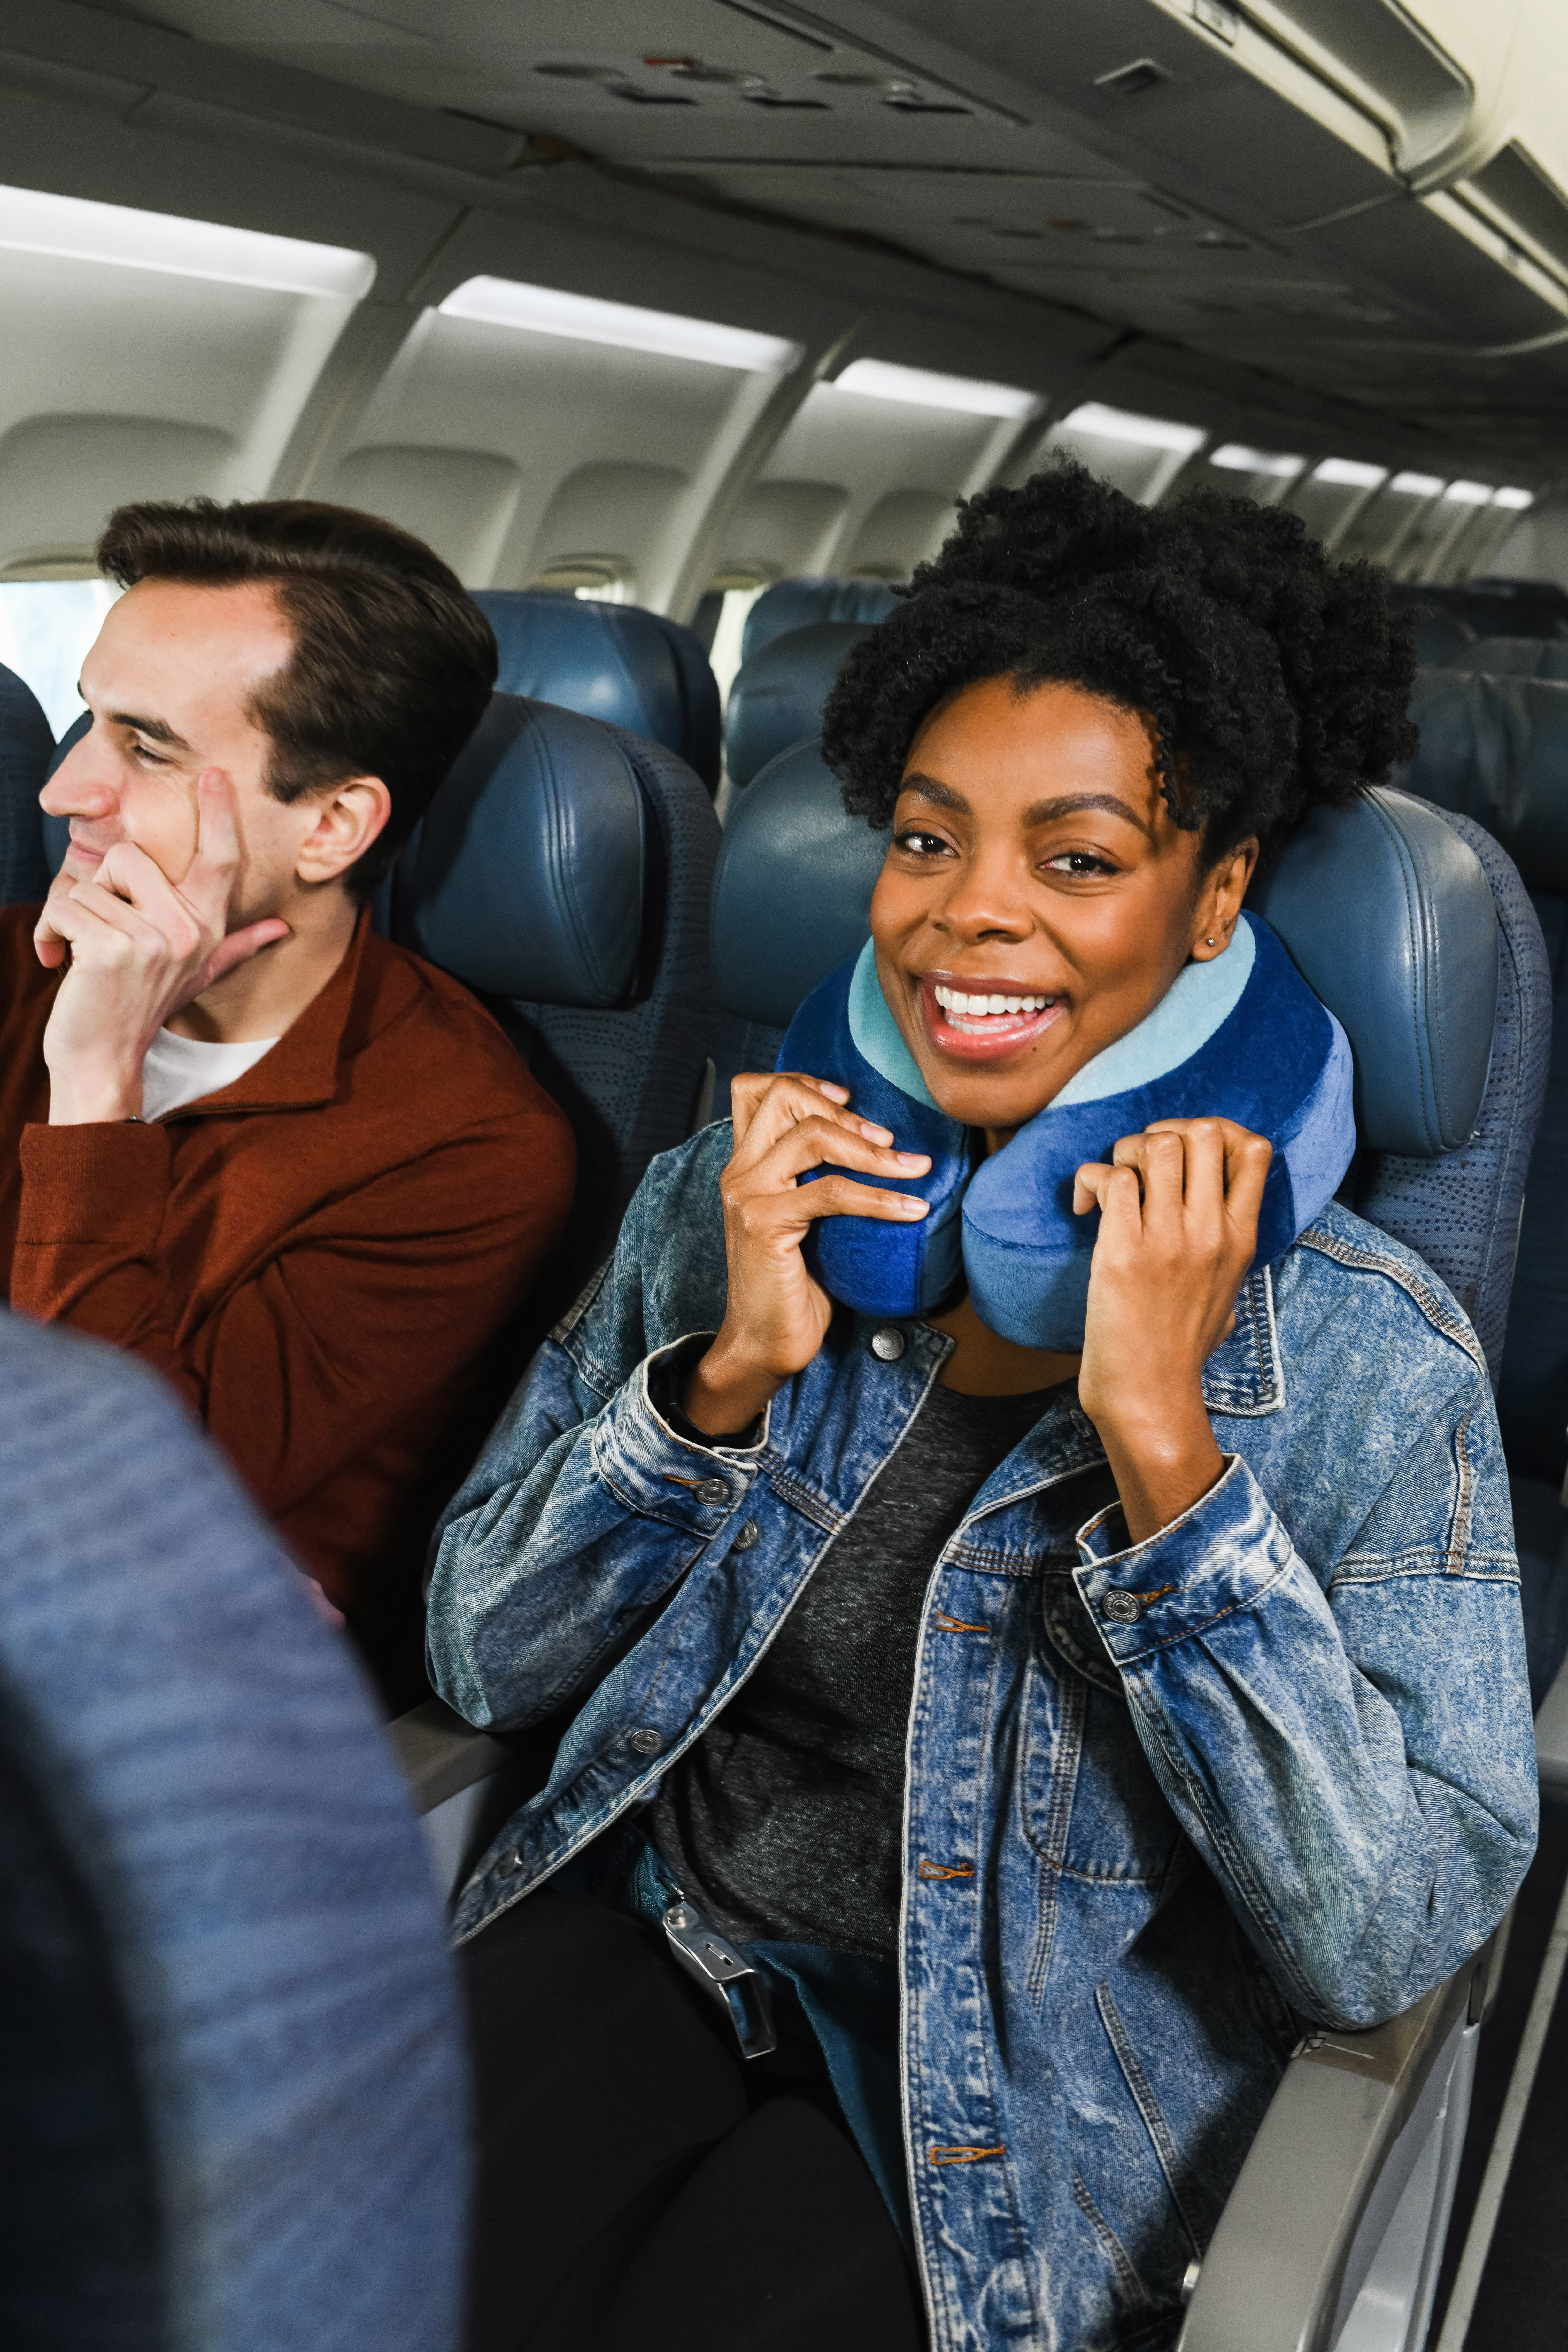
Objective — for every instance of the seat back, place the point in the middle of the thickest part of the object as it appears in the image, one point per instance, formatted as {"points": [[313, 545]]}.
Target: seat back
{"points": [[563, 872], [231, 2064], [1441, 638], [778, 693], [1495, 750], [1492, 607], [1506, 656], [615, 662], [799, 602], [1410, 926], [25, 745]]}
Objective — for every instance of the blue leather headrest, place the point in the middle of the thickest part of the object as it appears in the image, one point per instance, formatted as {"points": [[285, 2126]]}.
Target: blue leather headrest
{"points": [[526, 877], [615, 662], [1390, 920], [1496, 748], [791, 889], [25, 745], [1384, 911], [778, 694], [797, 603], [1507, 656]]}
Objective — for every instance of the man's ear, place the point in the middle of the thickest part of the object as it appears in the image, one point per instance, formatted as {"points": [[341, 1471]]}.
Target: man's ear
{"points": [[348, 817]]}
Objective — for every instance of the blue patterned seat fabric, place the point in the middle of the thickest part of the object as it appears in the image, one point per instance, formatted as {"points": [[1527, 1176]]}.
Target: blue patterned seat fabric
{"points": [[233, 2096], [25, 746]]}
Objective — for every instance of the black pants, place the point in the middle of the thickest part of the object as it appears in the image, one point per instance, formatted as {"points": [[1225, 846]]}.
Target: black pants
{"points": [[642, 2189]]}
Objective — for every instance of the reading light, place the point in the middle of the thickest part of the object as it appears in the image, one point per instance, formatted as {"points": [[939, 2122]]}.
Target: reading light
{"points": [[1349, 474], [584, 319], [1123, 425], [918, 388], [1470, 494], [1416, 486], [1513, 497], [1237, 458], [76, 229]]}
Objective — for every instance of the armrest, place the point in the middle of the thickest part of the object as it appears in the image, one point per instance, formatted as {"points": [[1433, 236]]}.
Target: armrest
{"points": [[1353, 2115], [439, 1755]]}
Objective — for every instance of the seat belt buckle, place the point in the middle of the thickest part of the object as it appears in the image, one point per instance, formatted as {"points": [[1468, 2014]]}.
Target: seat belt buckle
{"points": [[710, 1960]]}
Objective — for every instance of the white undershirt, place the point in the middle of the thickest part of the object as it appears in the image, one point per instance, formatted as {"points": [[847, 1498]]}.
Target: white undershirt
{"points": [[181, 1070]]}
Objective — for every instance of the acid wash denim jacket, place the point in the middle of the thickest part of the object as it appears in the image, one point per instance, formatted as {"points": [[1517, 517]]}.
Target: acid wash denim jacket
{"points": [[1164, 1801]]}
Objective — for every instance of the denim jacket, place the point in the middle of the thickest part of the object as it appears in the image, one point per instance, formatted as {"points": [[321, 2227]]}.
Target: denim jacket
{"points": [[1163, 1801]]}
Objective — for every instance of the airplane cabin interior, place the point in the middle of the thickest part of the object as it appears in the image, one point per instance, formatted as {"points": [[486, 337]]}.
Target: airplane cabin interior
{"points": [[680, 329]]}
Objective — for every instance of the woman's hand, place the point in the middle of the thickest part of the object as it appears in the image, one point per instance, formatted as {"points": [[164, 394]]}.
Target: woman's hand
{"points": [[776, 1316], [1178, 1230]]}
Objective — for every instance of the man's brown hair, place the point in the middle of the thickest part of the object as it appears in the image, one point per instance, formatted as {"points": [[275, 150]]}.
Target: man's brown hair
{"points": [[392, 663]]}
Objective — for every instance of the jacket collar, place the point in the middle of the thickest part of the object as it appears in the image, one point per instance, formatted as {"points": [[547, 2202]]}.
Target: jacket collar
{"points": [[300, 1072]]}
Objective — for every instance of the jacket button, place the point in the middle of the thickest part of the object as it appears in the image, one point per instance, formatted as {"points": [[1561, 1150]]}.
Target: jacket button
{"points": [[647, 1742], [747, 1536], [1122, 1608], [712, 1490], [510, 1865], [888, 1344]]}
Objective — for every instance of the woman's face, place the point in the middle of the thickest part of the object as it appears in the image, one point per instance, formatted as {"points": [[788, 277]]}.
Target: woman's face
{"points": [[1034, 860]]}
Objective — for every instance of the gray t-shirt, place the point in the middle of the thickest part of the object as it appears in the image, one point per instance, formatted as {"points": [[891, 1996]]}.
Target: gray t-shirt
{"points": [[785, 1821]]}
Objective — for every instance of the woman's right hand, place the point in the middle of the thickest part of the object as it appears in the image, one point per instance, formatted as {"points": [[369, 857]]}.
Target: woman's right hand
{"points": [[776, 1316]]}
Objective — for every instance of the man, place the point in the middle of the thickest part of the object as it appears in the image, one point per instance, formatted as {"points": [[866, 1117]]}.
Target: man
{"points": [[297, 1170]]}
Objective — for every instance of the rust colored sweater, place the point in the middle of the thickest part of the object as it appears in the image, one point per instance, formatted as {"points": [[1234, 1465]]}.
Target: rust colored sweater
{"points": [[317, 1256]]}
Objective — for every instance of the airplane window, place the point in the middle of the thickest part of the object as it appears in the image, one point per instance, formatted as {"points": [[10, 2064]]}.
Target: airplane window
{"points": [[724, 653], [45, 628], [1142, 454]]}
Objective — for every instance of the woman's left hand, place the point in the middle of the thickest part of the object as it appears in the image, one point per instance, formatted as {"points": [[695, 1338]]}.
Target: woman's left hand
{"points": [[1178, 1229]]}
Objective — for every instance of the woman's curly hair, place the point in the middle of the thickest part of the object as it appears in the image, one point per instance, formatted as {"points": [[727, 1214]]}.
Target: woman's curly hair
{"points": [[1274, 677]]}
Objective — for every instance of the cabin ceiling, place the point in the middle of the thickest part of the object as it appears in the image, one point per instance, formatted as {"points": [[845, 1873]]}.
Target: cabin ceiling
{"points": [[1183, 201]]}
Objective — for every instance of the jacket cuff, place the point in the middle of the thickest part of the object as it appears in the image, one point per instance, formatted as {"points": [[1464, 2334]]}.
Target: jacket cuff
{"points": [[105, 1184], [656, 1470], [1225, 1553]]}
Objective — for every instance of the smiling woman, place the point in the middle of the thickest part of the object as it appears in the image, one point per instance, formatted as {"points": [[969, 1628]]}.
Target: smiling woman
{"points": [[1045, 1727]]}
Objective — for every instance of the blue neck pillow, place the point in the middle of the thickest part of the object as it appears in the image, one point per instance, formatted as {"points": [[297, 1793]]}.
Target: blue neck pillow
{"points": [[1241, 1037]]}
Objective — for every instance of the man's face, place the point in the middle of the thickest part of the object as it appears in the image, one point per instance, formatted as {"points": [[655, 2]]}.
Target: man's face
{"points": [[170, 684]]}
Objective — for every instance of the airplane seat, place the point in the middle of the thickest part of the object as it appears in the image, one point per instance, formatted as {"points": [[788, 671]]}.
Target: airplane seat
{"points": [[615, 662], [26, 748], [1406, 922], [1440, 639], [232, 2075], [811, 597], [1494, 749], [563, 872], [1507, 657], [1491, 607], [779, 690]]}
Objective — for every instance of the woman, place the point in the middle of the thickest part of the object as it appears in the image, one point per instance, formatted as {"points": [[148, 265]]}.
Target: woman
{"points": [[1055, 1733]]}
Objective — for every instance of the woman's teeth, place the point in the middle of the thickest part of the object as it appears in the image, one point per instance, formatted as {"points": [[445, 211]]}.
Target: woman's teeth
{"points": [[954, 1000]]}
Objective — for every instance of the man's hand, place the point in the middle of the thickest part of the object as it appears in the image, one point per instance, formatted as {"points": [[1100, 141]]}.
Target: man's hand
{"points": [[776, 1316], [1178, 1230], [141, 947]]}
